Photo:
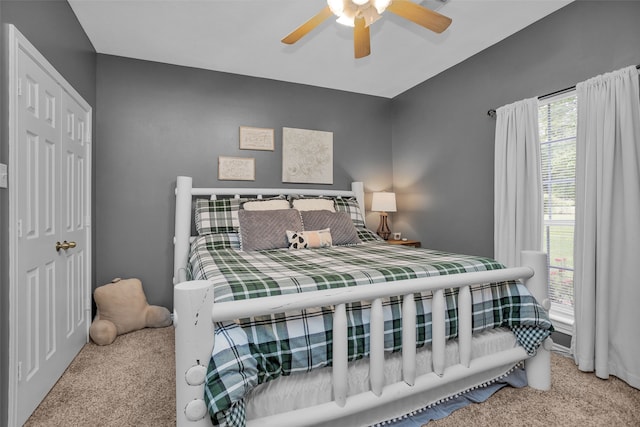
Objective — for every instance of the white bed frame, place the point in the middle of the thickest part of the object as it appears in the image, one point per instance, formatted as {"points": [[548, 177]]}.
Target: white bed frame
{"points": [[194, 314]]}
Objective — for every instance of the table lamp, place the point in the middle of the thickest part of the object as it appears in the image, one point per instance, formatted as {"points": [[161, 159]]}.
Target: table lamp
{"points": [[383, 202]]}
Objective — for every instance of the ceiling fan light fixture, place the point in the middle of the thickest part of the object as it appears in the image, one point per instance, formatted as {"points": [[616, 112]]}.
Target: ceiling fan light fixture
{"points": [[344, 19], [381, 5], [370, 15], [336, 6], [348, 10]]}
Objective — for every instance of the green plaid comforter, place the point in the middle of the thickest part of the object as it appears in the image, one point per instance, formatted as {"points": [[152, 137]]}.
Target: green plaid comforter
{"points": [[252, 351]]}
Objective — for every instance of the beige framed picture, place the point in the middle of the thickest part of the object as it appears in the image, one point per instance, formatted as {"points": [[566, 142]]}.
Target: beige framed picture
{"points": [[256, 138], [307, 156], [236, 169]]}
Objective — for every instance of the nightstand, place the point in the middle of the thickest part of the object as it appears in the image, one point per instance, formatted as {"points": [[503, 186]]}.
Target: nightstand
{"points": [[414, 243]]}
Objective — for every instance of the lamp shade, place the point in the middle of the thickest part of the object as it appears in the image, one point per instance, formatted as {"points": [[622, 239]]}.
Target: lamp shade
{"points": [[383, 202]]}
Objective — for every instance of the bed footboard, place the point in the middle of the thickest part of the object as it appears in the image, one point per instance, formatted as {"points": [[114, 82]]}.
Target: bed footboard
{"points": [[195, 314]]}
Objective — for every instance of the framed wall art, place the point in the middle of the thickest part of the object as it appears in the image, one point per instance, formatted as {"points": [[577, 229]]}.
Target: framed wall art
{"points": [[256, 138], [307, 156], [236, 169]]}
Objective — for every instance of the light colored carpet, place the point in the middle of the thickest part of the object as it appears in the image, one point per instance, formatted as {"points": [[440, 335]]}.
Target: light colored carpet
{"points": [[128, 383], [576, 399], [131, 383]]}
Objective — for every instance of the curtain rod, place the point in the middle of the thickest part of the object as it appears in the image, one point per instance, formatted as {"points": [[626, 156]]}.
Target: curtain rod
{"points": [[492, 113]]}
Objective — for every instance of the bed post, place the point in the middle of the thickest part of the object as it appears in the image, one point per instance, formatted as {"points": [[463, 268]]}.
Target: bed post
{"points": [[194, 332], [358, 189], [182, 230], [538, 367]]}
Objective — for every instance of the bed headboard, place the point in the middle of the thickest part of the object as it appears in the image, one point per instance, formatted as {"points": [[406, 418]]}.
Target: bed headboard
{"points": [[185, 192]]}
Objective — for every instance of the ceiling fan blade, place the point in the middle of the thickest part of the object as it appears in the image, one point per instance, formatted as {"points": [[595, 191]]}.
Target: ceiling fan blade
{"points": [[361, 39], [312, 23], [420, 15]]}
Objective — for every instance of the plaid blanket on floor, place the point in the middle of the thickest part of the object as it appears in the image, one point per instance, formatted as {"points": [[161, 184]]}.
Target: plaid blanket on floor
{"points": [[252, 351]]}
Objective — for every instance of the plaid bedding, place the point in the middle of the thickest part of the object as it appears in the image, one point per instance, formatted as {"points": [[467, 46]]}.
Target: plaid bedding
{"points": [[249, 352]]}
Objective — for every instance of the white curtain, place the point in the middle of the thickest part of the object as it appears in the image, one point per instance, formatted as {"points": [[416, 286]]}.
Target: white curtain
{"points": [[607, 234], [518, 183]]}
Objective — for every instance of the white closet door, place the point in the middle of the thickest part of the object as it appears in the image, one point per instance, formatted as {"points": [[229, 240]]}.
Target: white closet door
{"points": [[74, 197], [51, 169]]}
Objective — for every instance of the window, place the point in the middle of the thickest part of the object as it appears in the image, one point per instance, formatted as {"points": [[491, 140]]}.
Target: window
{"points": [[557, 123]]}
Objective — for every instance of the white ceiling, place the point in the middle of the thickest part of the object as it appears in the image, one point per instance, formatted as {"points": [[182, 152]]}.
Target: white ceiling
{"points": [[243, 37]]}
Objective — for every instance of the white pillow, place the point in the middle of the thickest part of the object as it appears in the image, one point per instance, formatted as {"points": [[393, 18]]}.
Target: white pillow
{"points": [[314, 205], [266, 205], [309, 239]]}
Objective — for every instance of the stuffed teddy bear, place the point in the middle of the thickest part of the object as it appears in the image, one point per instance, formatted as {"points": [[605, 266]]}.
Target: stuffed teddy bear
{"points": [[122, 307]]}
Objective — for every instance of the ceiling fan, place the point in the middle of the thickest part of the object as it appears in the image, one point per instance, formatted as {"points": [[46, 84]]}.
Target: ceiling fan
{"points": [[360, 14]]}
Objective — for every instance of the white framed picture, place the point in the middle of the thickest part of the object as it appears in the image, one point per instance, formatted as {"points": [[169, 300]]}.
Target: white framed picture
{"points": [[236, 168], [256, 138], [307, 156]]}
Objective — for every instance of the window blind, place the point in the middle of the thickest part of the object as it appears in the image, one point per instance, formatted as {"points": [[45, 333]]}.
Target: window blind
{"points": [[557, 124]]}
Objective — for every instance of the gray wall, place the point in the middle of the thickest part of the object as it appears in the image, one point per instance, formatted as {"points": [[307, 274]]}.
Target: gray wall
{"points": [[443, 139], [54, 30], [158, 121]]}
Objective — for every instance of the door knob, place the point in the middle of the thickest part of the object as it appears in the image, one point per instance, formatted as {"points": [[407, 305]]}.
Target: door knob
{"points": [[65, 245]]}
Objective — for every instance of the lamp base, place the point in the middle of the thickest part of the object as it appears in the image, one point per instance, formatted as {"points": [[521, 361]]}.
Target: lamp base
{"points": [[383, 228]]}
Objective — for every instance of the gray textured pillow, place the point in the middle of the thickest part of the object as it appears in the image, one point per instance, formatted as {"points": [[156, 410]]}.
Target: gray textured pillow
{"points": [[261, 230], [343, 232]]}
